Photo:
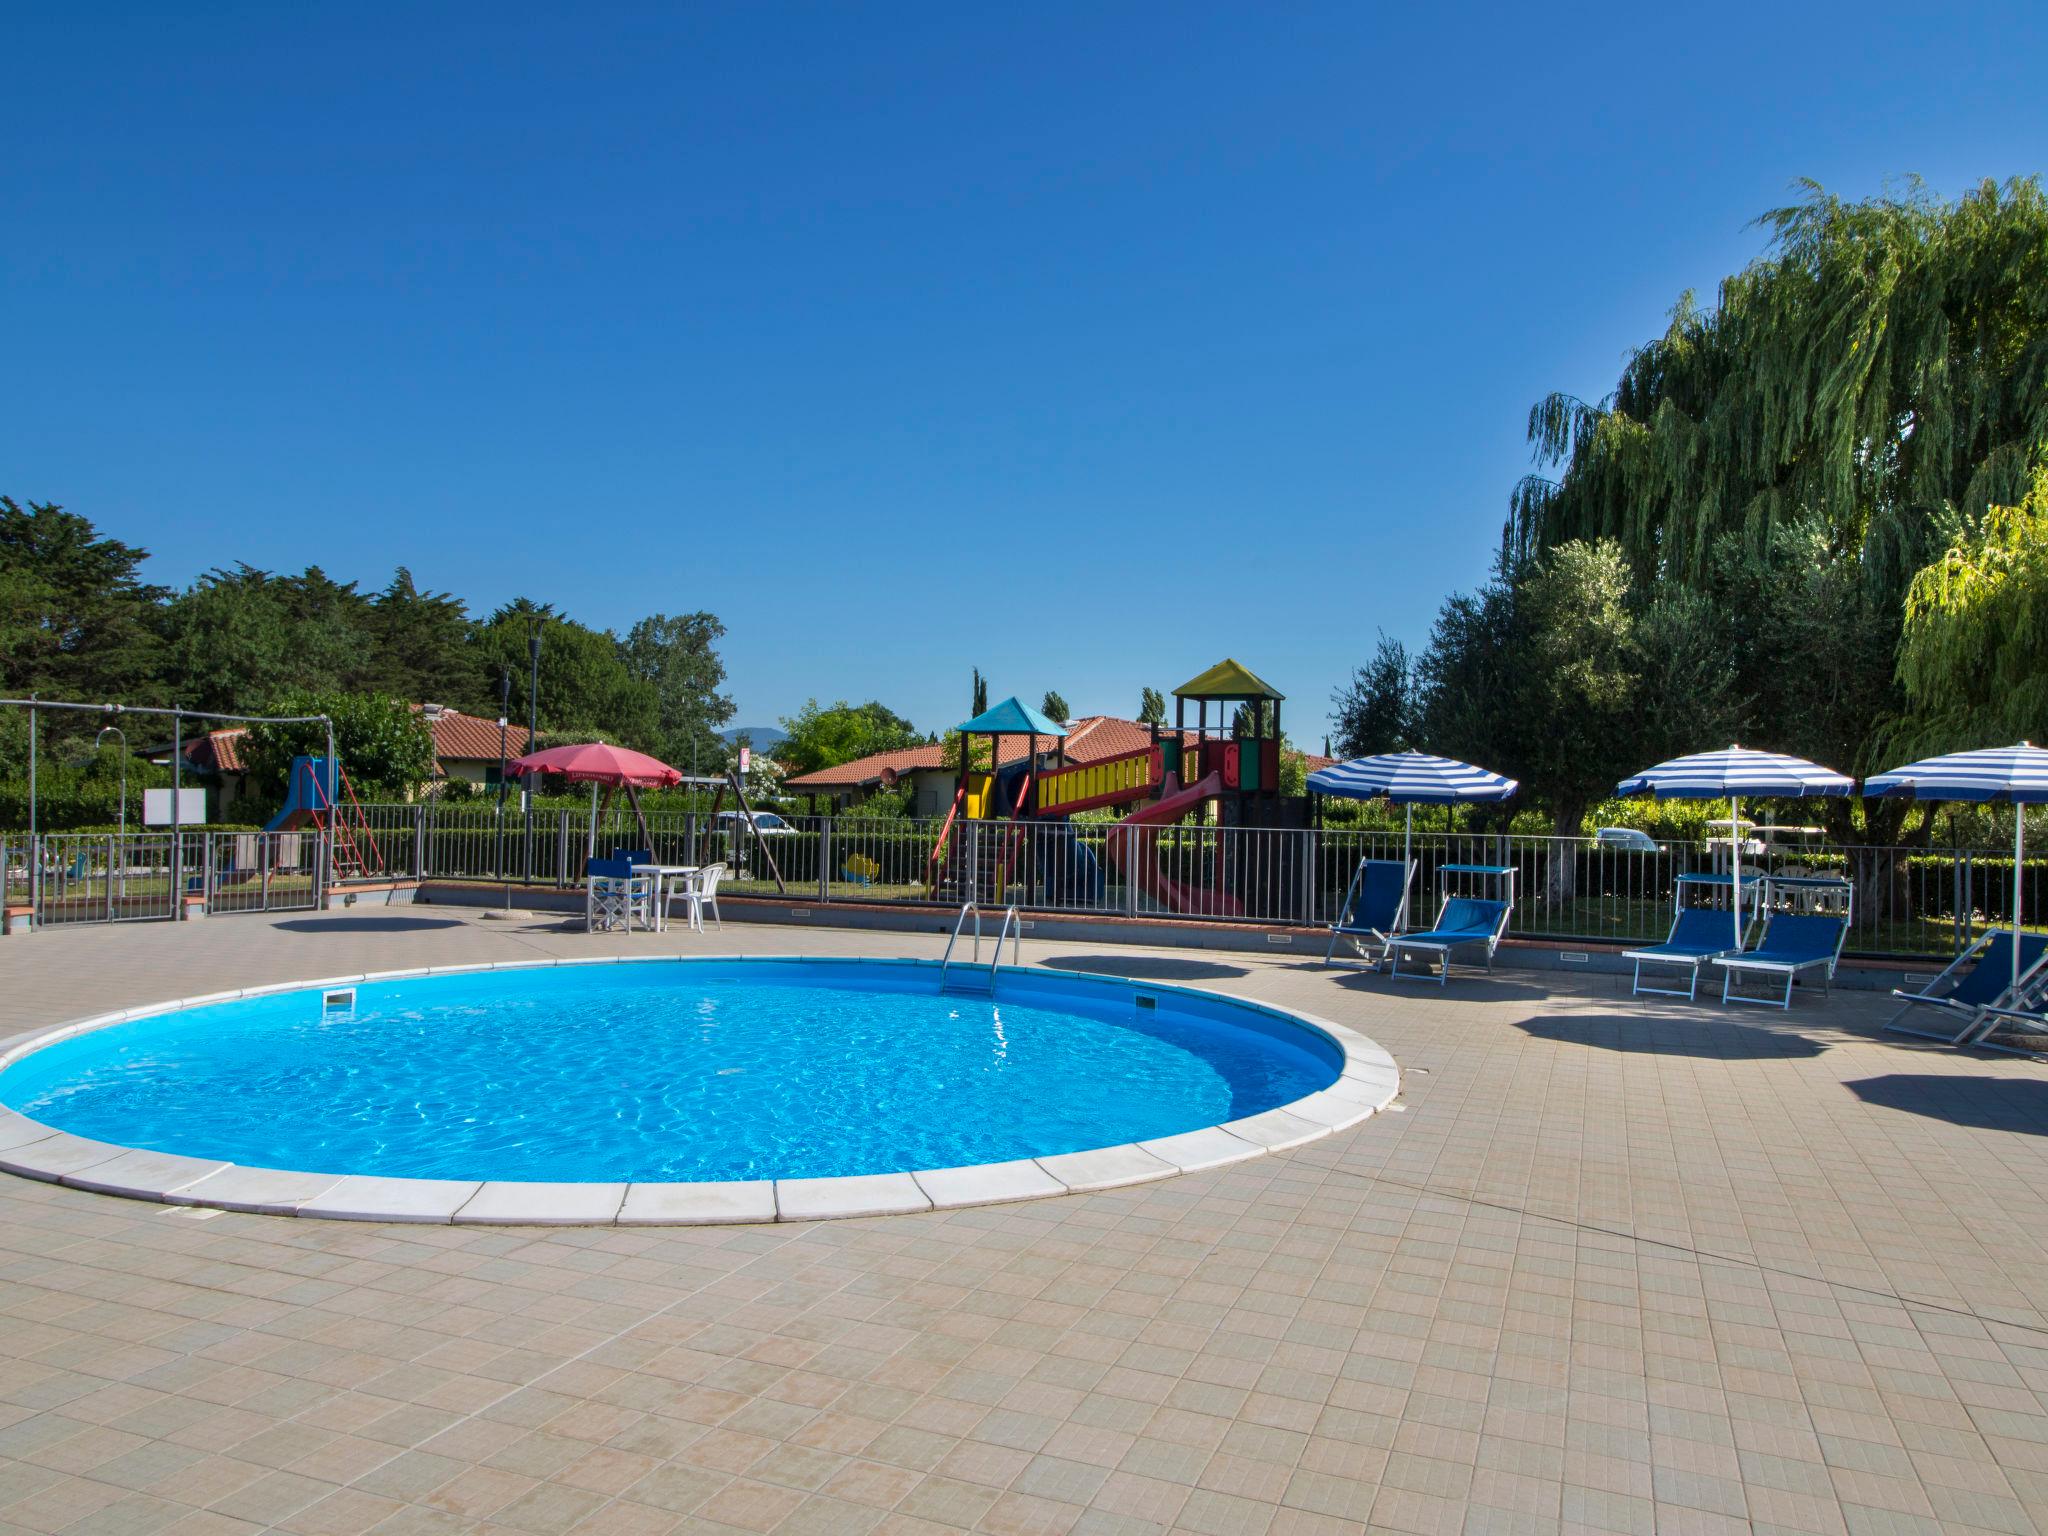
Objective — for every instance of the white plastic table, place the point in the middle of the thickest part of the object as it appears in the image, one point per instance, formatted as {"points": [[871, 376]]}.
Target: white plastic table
{"points": [[665, 875]]}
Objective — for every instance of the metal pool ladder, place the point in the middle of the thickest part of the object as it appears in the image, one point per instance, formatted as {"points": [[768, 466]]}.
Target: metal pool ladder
{"points": [[1012, 929]]}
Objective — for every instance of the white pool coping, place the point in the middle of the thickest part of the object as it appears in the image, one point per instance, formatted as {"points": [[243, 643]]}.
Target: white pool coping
{"points": [[1368, 1081]]}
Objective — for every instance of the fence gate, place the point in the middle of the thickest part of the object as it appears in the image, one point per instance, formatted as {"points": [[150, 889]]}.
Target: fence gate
{"points": [[85, 877], [262, 871]]}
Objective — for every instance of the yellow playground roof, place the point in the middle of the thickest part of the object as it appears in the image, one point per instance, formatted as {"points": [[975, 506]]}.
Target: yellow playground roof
{"points": [[1228, 679]]}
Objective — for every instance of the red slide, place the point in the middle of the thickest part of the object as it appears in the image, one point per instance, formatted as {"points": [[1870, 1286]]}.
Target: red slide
{"points": [[1172, 893]]}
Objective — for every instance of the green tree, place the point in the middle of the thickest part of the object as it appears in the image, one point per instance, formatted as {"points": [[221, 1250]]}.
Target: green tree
{"points": [[583, 678], [1469, 677], [825, 737], [1815, 646], [678, 658], [1687, 691], [1053, 707], [385, 745], [1863, 391], [1881, 363], [76, 619], [237, 637], [1974, 663], [1293, 769], [980, 693], [1151, 707], [1581, 679], [419, 647], [1375, 711]]}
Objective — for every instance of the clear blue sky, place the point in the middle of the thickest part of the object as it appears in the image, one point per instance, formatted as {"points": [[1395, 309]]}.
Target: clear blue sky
{"points": [[1084, 344]]}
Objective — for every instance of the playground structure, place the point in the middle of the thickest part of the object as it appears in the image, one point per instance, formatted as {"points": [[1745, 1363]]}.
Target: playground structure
{"points": [[314, 797], [1231, 763]]}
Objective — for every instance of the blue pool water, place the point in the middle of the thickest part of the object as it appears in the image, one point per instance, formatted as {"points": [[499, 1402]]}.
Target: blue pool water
{"points": [[672, 1071]]}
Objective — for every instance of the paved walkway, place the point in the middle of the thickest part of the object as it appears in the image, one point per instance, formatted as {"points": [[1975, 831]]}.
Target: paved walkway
{"points": [[1607, 1267]]}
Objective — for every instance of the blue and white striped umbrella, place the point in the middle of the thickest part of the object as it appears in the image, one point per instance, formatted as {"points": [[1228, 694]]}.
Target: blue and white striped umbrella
{"points": [[2015, 776], [1411, 778], [1729, 775], [1735, 772], [2004, 775]]}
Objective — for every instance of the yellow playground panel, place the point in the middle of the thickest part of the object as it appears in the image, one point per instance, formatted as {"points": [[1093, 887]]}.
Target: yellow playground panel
{"points": [[1100, 783], [980, 799]]}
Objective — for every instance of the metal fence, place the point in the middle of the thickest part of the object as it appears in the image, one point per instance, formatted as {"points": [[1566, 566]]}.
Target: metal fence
{"points": [[81, 877], [263, 871], [1907, 901]]}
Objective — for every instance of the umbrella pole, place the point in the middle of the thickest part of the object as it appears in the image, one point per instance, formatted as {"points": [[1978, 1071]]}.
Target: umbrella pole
{"points": [[2019, 849], [1407, 851], [590, 849], [633, 794], [1735, 863]]}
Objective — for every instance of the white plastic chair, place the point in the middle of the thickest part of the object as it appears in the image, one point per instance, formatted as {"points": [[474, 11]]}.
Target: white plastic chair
{"points": [[701, 891]]}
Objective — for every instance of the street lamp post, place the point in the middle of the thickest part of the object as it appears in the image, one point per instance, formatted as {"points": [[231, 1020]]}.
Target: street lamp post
{"points": [[121, 842], [504, 716], [534, 621]]}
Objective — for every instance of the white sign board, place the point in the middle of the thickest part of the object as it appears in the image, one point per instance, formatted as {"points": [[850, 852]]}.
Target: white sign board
{"points": [[746, 758], [156, 807]]}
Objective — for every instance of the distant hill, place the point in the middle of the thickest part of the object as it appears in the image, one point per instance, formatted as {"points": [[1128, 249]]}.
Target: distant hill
{"points": [[766, 738]]}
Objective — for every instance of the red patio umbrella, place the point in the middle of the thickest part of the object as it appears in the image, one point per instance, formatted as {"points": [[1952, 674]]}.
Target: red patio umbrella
{"points": [[593, 762]]}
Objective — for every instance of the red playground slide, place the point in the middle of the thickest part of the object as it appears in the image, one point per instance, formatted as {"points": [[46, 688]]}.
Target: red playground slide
{"points": [[1172, 893]]}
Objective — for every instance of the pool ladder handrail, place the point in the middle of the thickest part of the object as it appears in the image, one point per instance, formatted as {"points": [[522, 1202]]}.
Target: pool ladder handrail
{"points": [[1012, 929]]}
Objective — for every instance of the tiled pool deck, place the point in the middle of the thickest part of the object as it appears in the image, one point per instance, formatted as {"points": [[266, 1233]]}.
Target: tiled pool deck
{"points": [[1604, 1266]]}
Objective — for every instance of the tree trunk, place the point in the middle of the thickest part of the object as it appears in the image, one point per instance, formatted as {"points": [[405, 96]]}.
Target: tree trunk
{"points": [[1561, 877]]}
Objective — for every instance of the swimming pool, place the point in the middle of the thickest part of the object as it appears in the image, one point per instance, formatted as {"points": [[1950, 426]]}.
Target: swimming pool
{"points": [[684, 1073]]}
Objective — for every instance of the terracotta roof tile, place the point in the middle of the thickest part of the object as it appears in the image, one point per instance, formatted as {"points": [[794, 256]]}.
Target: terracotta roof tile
{"points": [[218, 751], [471, 738], [1090, 739], [457, 738], [868, 770]]}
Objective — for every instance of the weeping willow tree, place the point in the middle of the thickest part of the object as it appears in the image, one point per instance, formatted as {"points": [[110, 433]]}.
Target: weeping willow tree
{"points": [[1884, 367], [1974, 660], [1856, 402]]}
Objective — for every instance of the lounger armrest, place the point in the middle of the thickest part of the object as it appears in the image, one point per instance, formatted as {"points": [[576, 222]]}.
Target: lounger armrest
{"points": [[1675, 952], [1762, 962]]}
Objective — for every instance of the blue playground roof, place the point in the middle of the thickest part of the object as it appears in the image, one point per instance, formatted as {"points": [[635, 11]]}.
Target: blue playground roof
{"points": [[1012, 717]]}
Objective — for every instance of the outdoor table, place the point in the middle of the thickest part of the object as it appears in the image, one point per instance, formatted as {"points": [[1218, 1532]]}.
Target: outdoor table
{"points": [[665, 876]]}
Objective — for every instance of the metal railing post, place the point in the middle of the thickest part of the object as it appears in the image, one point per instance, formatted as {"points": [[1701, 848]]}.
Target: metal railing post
{"points": [[825, 858], [1959, 917], [1130, 868]]}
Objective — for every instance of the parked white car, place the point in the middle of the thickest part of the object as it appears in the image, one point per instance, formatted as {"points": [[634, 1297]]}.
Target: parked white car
{"points": [[766, 823], [1629, 839]]}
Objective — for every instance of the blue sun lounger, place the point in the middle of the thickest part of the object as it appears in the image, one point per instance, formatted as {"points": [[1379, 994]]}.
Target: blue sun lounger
{"points": [[1375, 906], [1698, 934], [2030, 1020], [1793, 944], [1464, 922], [1975, 982]]}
